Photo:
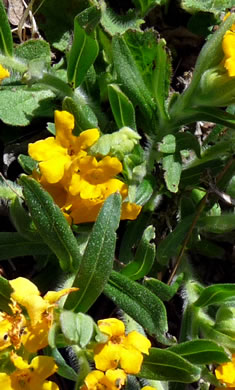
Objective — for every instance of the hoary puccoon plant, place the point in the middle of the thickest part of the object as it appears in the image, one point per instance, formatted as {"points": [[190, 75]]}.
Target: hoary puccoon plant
{"points": [[120, 147]]}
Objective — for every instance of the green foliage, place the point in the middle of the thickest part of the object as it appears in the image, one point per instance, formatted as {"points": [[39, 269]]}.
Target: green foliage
{"points": [[51, 224], [214, 6], [6, 41], [97, 261]]}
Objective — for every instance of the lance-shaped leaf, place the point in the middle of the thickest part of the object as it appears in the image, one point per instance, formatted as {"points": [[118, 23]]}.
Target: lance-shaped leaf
{"points": [[131, 78], [201, 352], [22, 221], [161, 78], [85, 47], [165, 365], [218, 224], [162, 290], [144, 257], [64, 369], [216, 294], [97, 261], [169, 246], [51, 224], [211, 333], [140, 303], [6, 41], [14, 245], [122, 108]]}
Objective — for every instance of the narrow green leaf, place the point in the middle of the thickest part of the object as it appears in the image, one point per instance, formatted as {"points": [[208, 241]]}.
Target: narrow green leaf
{"points": [[216, 7], [5, 295], [216, 294], [169, 246], [63, 368], [131, 78], [6, 41], [98, 257], [144, 257], [218, 224], [140, 303], [165, 365], [14, 245], [219, 337], [161, 78], [201, 352], [122, 108], [162, 290], [51, 224], [83, 53]]}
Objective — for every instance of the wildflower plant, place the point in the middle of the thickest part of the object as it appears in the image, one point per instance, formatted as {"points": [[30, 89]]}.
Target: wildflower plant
{"points": [[116, 195]]}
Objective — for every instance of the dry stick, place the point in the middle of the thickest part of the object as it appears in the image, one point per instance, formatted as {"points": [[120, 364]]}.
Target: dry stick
{"points": [[200, 208]]}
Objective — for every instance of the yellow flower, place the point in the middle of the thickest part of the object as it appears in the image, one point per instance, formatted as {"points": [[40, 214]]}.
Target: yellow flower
{"points": [[39, 309], [30, 376], [122, 350], [111, 380], [228, 46], [148, 388], [3, 73], [12, 327], [58, 155], [225, 373]]}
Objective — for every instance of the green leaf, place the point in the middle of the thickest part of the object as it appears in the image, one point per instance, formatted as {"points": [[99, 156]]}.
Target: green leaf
{"points": [[51, 224], [97, 261], [84, 116], [162, 290], [201, 352], [168, 144], [117, 24], [70, 326], [172, 168], [165, 365], [83, 53], [14, 245], [20, 104], [34, 49], [220, 338], [86, 324], [63, 368], [216, 294], [131, 77], [22, 221], [169, 246], [146, 5], [217, 224], [122, 108], [161, 78], [140, 303], [192, 175], [144, 257], [6, 41], [27, 163], [214, 6]]}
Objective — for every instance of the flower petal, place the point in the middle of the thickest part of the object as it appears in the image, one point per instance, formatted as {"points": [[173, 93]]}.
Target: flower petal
{"points": [[53, 169], [112, 327], [64, 124], [54, 296], [45, 149], [131, 360], [130, 210], [5, 382], [138, 341], [4, 73], [107, 356]]}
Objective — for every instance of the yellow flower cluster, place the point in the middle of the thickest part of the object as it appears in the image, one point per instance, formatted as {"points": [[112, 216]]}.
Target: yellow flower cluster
{"points": [[225, 373], [78, 182], [120, 355], [29, 330], [3, 73], [228, 45]]}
